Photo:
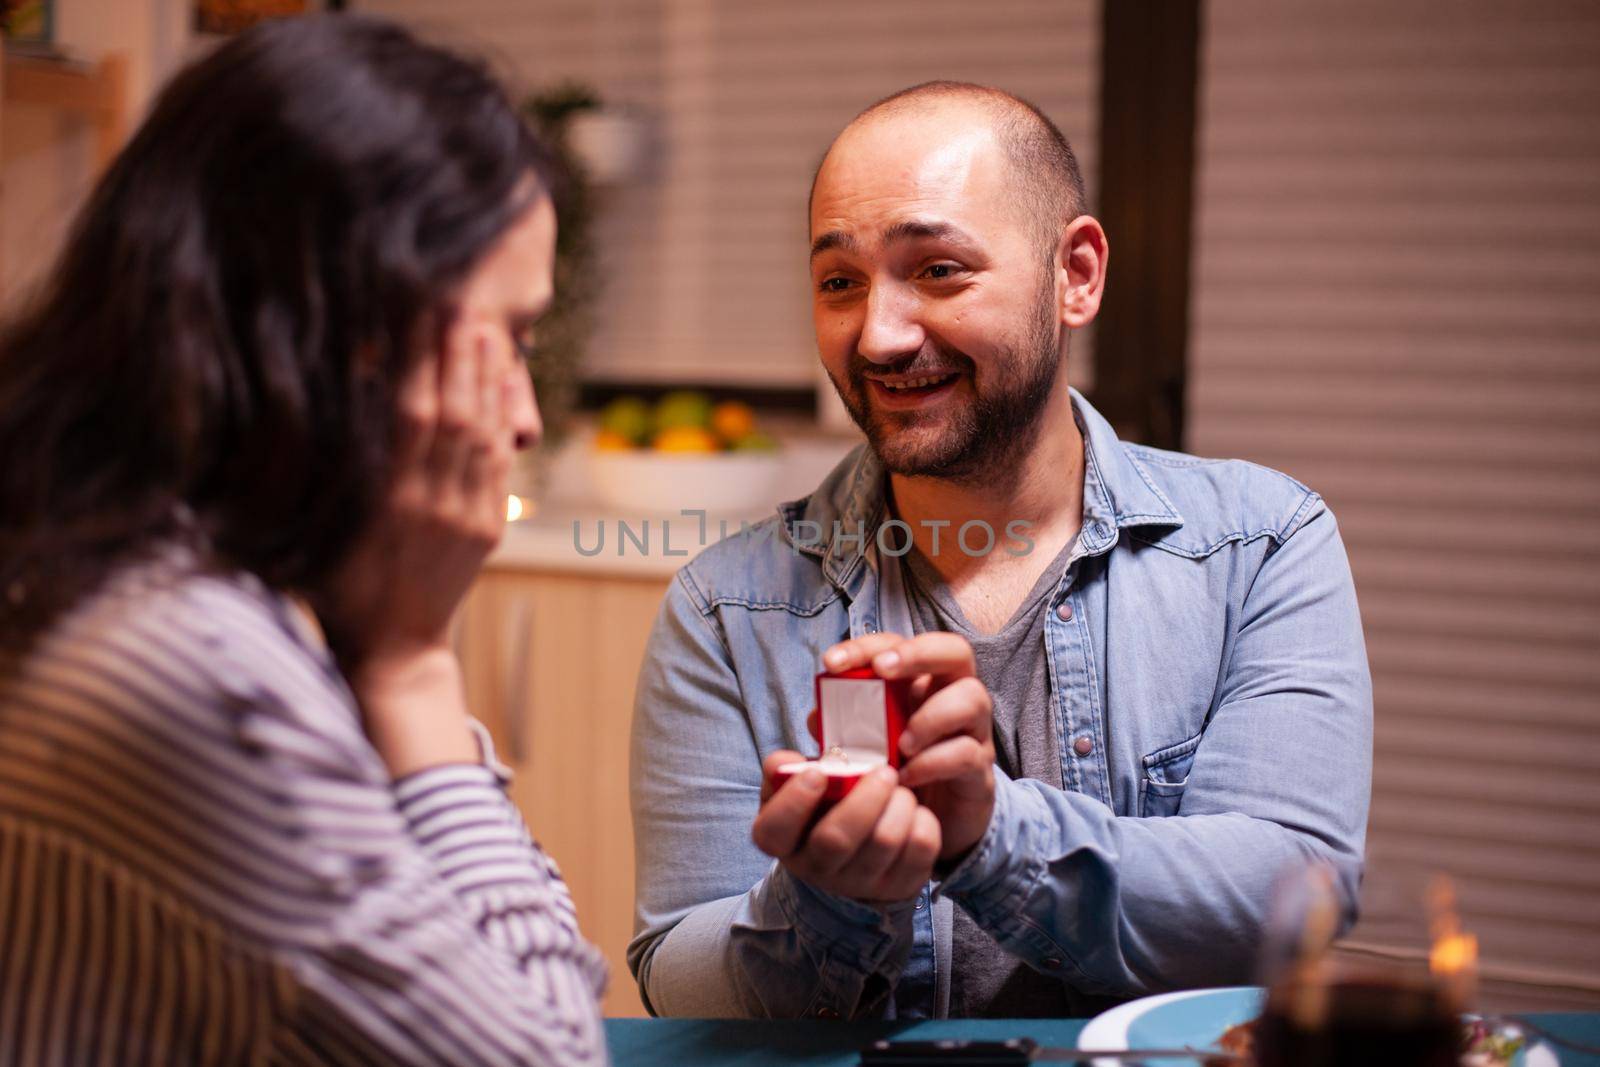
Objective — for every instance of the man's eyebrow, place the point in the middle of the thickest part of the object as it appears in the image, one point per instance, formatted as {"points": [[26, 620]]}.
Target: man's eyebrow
{"points": [[831, 240], [912, 229], [904, 230]]}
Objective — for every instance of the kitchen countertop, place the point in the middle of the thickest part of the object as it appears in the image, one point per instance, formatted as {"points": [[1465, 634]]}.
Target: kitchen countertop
{"points": [[570, 530]]}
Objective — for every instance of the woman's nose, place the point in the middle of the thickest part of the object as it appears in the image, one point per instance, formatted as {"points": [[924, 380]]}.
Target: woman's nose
{"points": [[524, 409]]}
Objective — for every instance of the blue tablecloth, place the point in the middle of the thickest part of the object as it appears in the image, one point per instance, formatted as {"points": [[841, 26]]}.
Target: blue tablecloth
{"points": [[720, 1043]]}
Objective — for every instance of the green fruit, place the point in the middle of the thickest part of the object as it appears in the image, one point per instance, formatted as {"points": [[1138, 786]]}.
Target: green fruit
{"points": [[629, 417], [683, 408], [756, 441]]}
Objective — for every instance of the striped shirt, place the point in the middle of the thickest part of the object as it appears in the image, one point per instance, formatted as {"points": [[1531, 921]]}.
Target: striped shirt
{"points": [[204, 860]]}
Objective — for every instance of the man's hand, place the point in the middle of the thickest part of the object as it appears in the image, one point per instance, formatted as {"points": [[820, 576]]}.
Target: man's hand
{"points": [[948, 743], [877, 845]]}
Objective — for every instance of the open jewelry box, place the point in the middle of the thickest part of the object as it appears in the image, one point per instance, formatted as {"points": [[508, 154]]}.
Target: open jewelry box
{"points": [[859, 719]]}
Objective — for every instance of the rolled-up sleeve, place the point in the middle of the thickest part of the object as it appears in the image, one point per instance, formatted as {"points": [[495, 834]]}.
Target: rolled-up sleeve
{"points": [[722, 930], [1121, 905]]}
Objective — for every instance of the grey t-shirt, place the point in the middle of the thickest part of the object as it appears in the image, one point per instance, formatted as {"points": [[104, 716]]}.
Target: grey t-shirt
{"points": [[985, 980]]}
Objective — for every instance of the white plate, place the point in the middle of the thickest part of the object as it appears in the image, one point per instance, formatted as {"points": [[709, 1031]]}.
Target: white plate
{"points": [[1196, 1018], [1221, 1008]]}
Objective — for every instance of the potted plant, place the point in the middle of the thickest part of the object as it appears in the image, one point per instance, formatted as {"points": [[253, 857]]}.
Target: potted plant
{"points": [[564, 331]]}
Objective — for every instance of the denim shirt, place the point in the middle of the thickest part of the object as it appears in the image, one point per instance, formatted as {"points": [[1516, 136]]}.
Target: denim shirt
{"points": [[1215, 710]]}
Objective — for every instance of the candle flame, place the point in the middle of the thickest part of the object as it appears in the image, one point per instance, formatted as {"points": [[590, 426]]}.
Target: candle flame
{"points": [[1454, 952]]}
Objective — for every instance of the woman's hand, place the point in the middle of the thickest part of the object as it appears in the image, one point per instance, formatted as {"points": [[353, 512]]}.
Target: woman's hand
{"points": [[445, 510], [387, 611]]}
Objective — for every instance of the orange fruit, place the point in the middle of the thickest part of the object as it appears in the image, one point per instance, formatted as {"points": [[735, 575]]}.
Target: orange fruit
{"points": [[733, 421], [611, 441], [686, 439]]}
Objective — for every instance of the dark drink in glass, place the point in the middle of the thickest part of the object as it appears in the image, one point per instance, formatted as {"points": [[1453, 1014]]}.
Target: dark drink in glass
{"points": [[1359, 1021]]}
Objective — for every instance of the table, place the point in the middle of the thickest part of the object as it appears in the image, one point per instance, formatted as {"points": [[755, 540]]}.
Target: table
{"points": [[813, 1043]]}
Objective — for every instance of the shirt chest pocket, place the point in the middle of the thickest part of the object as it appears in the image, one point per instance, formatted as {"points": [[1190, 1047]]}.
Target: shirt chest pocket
{"points": [[1166, 774]]}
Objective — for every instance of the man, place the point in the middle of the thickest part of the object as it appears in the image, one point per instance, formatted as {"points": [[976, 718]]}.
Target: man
{"points": [[1139, 635]]}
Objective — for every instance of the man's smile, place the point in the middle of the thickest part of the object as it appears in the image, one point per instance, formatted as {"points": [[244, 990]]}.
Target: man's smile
{"points": [[910, 391]]}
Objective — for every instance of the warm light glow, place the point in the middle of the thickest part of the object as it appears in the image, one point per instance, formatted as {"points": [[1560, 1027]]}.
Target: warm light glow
{"points": [[514, 508], [1454, 954]]}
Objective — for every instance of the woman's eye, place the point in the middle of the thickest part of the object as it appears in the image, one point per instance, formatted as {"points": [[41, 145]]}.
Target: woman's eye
{"points": [[525, 341]]}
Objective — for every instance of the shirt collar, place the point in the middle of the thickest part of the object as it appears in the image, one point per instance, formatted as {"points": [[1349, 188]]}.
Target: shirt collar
{"points": [[1117, 492], [1117, 489]]}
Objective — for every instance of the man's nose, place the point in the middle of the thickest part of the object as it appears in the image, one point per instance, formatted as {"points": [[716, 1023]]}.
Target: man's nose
{"points": [[524, 411], [891, 331]]}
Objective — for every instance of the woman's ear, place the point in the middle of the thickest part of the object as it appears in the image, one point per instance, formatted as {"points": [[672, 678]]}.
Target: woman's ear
{"points": [[1080, 265]]}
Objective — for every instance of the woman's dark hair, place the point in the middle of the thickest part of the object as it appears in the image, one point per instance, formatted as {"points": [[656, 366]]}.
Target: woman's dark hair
{"points": [[215, 358]]}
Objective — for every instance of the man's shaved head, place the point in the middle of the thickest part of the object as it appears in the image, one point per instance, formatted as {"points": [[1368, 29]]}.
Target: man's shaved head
{"points": [[951, 256], [1048, 181]]}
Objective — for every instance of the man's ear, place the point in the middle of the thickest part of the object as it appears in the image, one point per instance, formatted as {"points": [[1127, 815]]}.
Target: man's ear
{"points": [[1080, 265]]}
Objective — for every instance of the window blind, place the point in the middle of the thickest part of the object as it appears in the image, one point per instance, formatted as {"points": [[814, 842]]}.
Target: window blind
{"points": [[704, 256], [1397, 262]]}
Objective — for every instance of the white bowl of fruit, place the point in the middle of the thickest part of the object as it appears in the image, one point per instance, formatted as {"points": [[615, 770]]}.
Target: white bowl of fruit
{"points": [[683, 453]]}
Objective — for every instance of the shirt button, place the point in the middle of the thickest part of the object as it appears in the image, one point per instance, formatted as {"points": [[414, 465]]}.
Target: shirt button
{"points": [[826, 1013], [1052, 962], [1064, 612], [918, 905], [1083, 746]]}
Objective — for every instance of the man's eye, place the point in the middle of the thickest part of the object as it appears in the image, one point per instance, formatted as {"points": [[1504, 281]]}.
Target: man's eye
{"points": [[940, 271], [835, 285]]}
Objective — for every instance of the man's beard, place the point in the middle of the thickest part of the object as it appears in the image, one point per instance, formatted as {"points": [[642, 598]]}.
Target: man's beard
{"points": [[980, 441]]}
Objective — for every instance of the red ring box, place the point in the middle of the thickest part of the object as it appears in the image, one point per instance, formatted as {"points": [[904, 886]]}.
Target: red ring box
{"points": [[859, 720]]}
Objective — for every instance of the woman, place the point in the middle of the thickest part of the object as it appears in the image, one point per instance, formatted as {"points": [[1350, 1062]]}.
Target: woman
{"points": [[276, 367]]}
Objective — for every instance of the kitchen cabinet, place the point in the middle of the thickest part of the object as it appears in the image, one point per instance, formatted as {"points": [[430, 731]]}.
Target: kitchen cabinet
{"points": [[46, 105], [551, 639], [550, 659]]}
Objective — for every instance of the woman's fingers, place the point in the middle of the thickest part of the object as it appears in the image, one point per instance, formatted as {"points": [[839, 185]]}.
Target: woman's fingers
{"points": [[445, 506], [470, 446], [457, 418], [489, 447], [458, 377], [491, 387], [417, 407]]}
